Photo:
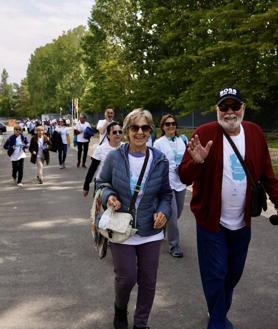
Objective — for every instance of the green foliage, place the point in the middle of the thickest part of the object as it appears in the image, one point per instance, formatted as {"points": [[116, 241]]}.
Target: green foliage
{"points": [[8, 93], [162, 55], [178, 54], [55, 74]]}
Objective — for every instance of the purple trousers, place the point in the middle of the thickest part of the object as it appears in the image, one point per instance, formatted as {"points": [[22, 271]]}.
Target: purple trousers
{"points": [[136, 264]]}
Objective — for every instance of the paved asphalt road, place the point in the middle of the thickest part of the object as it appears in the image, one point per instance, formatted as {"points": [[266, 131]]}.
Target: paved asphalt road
{"points": [[50, 277]]}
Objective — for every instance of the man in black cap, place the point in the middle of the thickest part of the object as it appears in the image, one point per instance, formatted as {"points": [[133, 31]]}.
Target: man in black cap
{"points": [[221, 199]]}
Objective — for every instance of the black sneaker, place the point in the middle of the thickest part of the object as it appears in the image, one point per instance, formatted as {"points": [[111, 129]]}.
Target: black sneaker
{"points": [[176, 252]]}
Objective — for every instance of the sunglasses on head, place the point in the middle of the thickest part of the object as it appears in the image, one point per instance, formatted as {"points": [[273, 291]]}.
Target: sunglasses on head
{"points": [[224, 107], [117, 132], [172, 123], [144, 128]]}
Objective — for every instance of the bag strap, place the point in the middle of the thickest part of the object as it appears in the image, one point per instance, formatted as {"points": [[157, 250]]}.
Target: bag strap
{"points": [[247, 172], [138, 185], [103, 139]]}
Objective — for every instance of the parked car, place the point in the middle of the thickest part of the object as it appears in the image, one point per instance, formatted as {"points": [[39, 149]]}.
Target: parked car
{"points": [[3, 128]]}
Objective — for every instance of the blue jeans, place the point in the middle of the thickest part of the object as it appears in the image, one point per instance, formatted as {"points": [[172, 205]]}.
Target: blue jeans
{"points": [[62, 153], [222, 257], [172, 225]]}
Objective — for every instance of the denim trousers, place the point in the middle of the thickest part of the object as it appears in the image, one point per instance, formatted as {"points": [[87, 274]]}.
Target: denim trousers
{"points": [[172, 228], [62, 154], [222, 257], [136, 264]]}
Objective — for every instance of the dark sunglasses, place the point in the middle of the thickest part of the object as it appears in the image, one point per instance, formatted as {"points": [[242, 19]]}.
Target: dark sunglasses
{"points": [[144, 128], [223, 107], [117, 132], [168, 124]]}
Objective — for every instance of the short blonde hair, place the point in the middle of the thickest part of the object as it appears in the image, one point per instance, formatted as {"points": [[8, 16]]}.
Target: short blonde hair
{"points": [[135, 114], [17, 127], [40, 128]]}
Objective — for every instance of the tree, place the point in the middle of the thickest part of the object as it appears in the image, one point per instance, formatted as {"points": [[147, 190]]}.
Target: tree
{"points": [[6, 95], [107, 70], [55, 73], [22, 104], [177, 54]]}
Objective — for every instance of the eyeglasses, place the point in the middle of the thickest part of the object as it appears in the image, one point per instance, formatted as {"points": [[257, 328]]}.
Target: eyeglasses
{"points": [[117, 132], [224, 107], [144, 128], [16, 129], [172, 123]]}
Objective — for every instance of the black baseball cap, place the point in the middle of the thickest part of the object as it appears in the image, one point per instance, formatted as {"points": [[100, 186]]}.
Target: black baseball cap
{"points": [[229, 92]]}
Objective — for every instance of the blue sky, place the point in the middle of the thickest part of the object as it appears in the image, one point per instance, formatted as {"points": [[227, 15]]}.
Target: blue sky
{"points": [[28, 24]]}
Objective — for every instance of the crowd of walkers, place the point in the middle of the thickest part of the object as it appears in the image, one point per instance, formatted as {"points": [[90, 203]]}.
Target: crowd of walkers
{"points": [[221, 198]]}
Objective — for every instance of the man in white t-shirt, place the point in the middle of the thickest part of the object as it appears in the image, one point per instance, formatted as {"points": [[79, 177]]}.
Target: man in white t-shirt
{"points": [[102, 124], [222, 198], [82, 143]]}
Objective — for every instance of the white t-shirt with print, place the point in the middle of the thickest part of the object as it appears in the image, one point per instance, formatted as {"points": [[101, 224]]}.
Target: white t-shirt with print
{"points": [[234, 184], [81, 127], [135, 165], [63, 131], [174, 151], [18, 152]]}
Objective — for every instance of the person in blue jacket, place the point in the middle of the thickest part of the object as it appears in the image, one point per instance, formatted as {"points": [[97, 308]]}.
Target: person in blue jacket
{"points": [[136, 259], [15, 146]]}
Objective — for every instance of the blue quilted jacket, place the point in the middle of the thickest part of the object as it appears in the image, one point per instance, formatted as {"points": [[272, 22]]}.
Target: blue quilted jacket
{"points": [[157, 194]]}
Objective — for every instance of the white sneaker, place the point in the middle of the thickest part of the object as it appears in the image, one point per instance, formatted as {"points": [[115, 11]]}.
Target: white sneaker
{"points": [[20, 184], [61, 166]]}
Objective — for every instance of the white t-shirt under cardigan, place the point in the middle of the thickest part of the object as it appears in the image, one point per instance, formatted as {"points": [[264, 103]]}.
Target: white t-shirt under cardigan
{"points": [[234, 184]]}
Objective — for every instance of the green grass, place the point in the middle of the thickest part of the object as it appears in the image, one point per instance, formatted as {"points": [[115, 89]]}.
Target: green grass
{"points": [[272, 140], [275, 167]]}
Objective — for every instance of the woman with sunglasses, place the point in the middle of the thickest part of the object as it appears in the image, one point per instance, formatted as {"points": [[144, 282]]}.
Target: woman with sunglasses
{"points": [[39, 149], [173, 146], [136, 259], [114, 134], [16, 145]]}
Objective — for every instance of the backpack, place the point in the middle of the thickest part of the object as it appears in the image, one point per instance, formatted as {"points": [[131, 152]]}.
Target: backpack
{"points": [[100, 242]]}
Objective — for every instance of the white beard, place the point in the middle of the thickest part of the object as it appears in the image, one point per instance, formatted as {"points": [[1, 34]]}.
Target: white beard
{"points": [[232, 124]]}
